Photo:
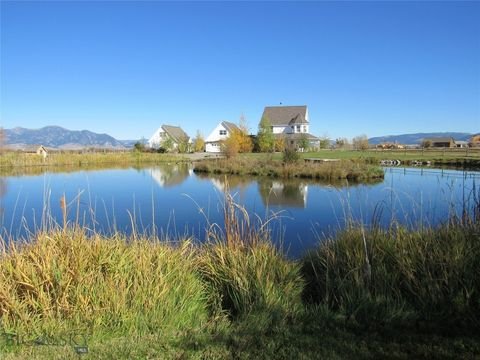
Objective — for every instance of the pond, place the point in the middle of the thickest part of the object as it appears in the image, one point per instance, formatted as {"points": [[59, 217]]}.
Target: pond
{"points": [[176, 202]]}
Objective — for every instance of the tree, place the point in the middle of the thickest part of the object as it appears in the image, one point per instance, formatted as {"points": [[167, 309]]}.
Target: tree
{"points": [[231, 146], [183, 146], [303, 143], [360, 142], [139, 146], [324, 141], [199, 142], [245, 143], [341, 143], [426, 143], [266, 139], [280, 144], [167, 143]]}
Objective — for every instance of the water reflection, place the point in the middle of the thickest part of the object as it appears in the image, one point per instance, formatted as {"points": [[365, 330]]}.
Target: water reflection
{"points": [[170, 175], [288, 193], [125, 198]]}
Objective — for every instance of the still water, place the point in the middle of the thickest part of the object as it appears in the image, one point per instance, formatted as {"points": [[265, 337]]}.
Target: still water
{"points": [[175, 201]]}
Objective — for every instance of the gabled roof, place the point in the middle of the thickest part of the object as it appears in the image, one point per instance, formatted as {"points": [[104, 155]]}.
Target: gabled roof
{"points": [[229, 126], [440, 139], [176, 133], [286, 115]]}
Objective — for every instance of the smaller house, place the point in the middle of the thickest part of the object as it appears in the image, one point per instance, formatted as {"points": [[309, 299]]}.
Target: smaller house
{"points": [[166, 133], [213, 143], [41, 150], [440, 142], [35, 149], [461, 144]]}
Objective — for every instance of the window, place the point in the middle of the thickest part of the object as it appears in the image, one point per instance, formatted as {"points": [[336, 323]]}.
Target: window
{"points": [[223, 132], [298, 128], [304, 128]]}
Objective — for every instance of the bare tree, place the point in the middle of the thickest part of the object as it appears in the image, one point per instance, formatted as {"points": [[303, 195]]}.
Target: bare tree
{"points": [[360, 142]]}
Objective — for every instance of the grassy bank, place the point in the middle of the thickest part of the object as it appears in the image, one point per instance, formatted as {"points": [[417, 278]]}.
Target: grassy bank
{"points": [[468, 158], [91, 159], [393, 293], [344, 169]]}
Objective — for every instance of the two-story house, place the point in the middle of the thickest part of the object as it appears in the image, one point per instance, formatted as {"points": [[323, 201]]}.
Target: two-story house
{"points": [[290, 123]]}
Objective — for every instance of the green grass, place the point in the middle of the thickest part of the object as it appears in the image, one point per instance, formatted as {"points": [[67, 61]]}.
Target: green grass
{"points": [[469, 157]]}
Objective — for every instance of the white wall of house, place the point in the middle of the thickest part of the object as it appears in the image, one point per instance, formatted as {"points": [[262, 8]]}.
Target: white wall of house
{"points": [[290, 129], [212, 142], [156, 140], [213, 147]]}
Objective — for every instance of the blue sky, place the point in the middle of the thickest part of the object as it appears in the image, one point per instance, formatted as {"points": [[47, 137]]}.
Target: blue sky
{"points": [[125, 68]]}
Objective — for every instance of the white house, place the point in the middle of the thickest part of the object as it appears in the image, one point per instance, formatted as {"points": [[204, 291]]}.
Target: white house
{"points": [[214, 141], [290, 123], [175, 133]]}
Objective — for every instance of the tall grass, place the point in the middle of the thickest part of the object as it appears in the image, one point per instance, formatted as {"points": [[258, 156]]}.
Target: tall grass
{"points": [[380, 276], [19, 159], [245, 273], [344, 169], [65, 280]]}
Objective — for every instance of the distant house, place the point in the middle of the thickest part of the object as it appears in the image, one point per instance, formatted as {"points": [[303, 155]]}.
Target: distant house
{"points": [[474, 141], [290, 123], [221, 132], [461, 144], [175, 133], [35, 149], [440, 142], [41, 150]]}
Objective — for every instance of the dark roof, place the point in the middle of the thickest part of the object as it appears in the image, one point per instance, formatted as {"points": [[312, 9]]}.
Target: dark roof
{"points": [[440, 139], [283, 115], [229, 126], [176, 133]]}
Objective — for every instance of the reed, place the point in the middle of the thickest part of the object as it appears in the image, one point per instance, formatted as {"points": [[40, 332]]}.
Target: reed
{"points": [[64, 279], [380, 276], [245, 273], [344, 169], [89, 159]]}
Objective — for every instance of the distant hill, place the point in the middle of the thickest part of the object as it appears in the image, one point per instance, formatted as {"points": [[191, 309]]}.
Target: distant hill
{"points": [[59, 138], [418, 137]]}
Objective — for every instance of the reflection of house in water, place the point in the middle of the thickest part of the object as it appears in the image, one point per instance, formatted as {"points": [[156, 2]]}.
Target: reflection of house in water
{"points": [[170, 175], [283, 193]]}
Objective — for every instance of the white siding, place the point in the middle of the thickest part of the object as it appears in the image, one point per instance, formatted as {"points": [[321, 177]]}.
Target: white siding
{"points": [[156, 139], [212, 147], [212, 142]]}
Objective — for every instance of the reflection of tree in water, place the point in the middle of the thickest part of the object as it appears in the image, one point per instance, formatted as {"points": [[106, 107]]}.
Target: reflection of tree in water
{"points": [[292, 193], [170, 175]]}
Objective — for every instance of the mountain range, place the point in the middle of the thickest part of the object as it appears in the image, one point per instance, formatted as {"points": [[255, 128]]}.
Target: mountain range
{"points": [[60, 138], [415, 139]]}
